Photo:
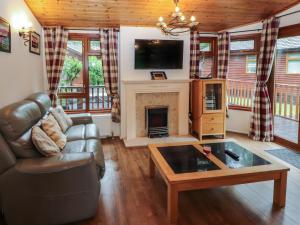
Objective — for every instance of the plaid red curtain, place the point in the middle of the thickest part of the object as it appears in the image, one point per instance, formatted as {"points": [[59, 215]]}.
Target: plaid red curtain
{"points": [[223, 54], [109, 52], [55, 39], [194, 54], [262, 116]]}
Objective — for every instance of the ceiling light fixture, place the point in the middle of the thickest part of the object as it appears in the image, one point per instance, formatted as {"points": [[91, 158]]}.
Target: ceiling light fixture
{"points": [[177, 23]]}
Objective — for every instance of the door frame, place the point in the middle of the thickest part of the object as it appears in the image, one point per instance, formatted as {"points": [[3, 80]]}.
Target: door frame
{"points": [[288, 31]]}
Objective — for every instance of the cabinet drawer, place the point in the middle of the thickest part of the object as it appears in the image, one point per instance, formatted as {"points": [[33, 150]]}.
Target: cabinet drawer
{"points": [[212, 118], [212, 128]]}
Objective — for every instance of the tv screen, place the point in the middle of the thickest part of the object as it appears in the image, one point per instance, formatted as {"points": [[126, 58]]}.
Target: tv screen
{"points": [[158, 54]]}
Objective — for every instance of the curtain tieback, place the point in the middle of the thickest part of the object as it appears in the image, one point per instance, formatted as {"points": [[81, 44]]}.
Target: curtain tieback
{"points": [[115, 96], [261, 84]]}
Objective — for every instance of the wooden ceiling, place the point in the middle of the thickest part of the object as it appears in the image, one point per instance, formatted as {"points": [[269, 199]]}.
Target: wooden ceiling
{"points": [[213, 15]]}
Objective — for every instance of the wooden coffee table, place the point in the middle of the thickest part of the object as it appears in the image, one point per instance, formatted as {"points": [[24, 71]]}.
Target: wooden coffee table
{"points": [[184, 167]]}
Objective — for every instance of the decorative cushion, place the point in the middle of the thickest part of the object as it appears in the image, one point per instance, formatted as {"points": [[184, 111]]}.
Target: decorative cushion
{"points": [[52, 129], [62, 118], [43, 143]]}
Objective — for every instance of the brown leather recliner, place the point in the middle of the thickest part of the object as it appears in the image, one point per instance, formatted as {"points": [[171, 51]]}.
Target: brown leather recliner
{"points": [[35, 190]]}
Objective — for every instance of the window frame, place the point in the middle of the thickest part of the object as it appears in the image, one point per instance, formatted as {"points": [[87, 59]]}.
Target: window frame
{"points": [[254, 51], [85, 38], [212, 53], [287, 63]]}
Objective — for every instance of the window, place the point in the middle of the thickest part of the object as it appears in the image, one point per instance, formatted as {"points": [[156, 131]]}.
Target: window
{"points": [[242, 45], [251, 64], [81, 87], [205, 47], [293, 63], [207, 64], [242, 71]]}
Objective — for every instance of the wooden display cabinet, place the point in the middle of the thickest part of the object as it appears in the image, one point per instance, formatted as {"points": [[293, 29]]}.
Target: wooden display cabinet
{"points": [[209, 107]]}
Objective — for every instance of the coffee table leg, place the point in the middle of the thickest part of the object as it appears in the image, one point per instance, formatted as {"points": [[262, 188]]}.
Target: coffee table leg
{"points": [[279, 196], [172, 204], [151, 167]]}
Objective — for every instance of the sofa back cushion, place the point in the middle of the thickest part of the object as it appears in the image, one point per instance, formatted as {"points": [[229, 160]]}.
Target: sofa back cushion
{"points": [[16, 121], [42, 100]]}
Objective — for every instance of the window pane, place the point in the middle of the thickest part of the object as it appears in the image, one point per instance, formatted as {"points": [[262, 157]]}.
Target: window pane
{"points": [[287, 88], [72, 74], [294, 66], [206, 66], [251, 57], [294, 56], [99, 99], [71, 104], [205, 47], [251, 63], [95, 45], [251, 67], [242, 45]]}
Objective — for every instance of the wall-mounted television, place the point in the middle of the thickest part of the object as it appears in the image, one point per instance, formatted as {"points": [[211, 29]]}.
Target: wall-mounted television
{"points": [[158, 54]]}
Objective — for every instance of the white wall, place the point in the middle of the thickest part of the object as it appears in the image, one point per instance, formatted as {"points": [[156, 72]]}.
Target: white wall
{"points": [[127, 37], [21, 72], [239, 121], [127, 71]]}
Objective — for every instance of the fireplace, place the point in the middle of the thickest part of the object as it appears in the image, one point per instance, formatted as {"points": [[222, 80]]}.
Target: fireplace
{"points": [[156, 121]]}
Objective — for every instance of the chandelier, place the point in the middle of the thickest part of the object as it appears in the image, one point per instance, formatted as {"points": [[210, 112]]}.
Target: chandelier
{"points": [[177, 23]]}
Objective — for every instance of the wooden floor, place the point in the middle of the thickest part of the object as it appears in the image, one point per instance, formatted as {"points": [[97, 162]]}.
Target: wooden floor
{"points": [[130, 197]]}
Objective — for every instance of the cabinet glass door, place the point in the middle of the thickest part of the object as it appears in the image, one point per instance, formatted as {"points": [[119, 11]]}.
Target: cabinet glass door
{"points": [[213, 96]]}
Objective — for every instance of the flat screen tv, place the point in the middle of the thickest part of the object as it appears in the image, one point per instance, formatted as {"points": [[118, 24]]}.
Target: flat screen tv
{"points": [[158, 54]]}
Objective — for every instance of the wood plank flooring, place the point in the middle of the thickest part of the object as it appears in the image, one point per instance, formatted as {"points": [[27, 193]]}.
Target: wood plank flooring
{"points": [[129, 197]]}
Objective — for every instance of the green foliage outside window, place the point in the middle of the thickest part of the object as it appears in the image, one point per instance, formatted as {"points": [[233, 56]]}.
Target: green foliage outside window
{"points": [[71, 70], [95, 71]]}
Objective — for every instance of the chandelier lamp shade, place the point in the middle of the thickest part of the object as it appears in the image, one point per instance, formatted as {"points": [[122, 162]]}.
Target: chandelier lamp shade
{"points": [[177, 22]]}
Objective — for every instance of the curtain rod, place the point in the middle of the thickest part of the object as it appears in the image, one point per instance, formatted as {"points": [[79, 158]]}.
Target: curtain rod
{"points": [[243, 31]]}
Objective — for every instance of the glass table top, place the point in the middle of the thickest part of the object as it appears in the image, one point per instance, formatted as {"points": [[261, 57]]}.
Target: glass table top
{"points": [[186, 159], [245, 157]]}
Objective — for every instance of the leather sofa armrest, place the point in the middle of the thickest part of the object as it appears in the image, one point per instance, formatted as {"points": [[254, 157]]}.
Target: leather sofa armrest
{"points": [[54, 189], [54, 164], [81, 119]]}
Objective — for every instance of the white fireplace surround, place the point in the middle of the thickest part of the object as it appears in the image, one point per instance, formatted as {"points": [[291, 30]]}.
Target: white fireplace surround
{"points": [[128, 108]]}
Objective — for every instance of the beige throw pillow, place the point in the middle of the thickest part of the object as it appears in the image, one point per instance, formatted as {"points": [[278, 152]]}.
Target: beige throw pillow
{"points": [[62, 118], [52, 129], [43, 143]]}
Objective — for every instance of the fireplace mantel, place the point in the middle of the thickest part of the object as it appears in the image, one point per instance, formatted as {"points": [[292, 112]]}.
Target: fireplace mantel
{"points": [[129, 90]]}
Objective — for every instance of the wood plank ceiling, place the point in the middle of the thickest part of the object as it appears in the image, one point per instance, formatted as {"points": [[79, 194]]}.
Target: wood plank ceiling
{"points": [[213, 15]]}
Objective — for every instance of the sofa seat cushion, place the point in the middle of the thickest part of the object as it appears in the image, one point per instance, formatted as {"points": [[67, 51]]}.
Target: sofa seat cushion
{"points": [[90, 145], [75, 133], [82, 132]]}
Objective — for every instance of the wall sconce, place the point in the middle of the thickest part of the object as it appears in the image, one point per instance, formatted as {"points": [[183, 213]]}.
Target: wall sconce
{"points": [[24, 33], [23, 26]]}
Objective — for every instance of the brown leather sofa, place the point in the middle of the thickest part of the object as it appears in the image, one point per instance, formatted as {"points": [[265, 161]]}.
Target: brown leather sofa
{"points": [[35, 190]]}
